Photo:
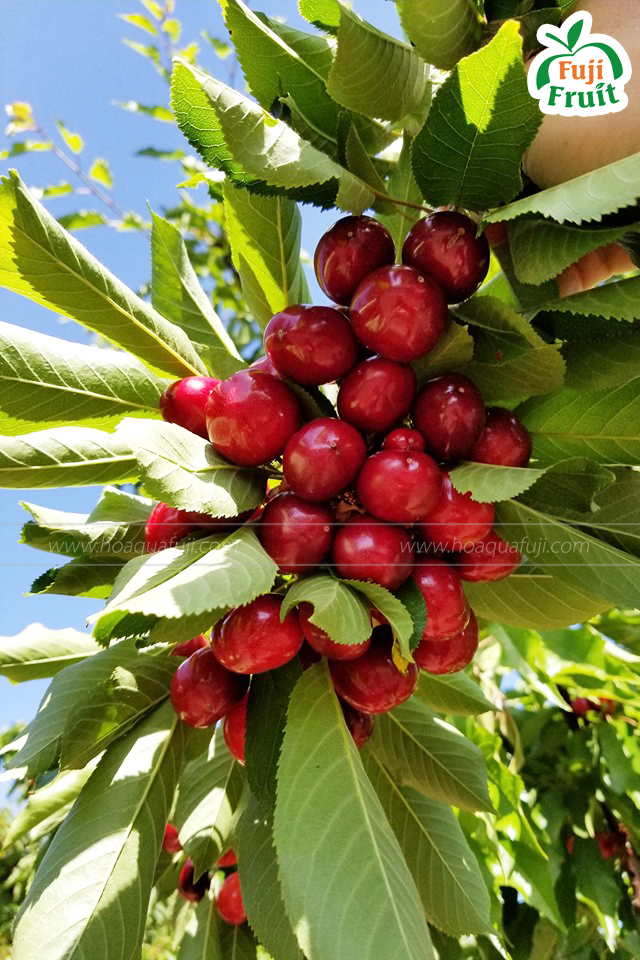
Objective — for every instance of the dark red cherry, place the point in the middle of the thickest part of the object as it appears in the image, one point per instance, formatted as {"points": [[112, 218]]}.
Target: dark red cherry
{"points": [[203, 691], [504, 440], [405, 439], [359, 725], [610, 844], [252, 639], [308, 656], [399, 487], [491, 558], [449, 413], [323, 458], [190, 646], [350, 250], [227, 859], [608, 707], [449, 656], [184, 403], [581, 706], [373, 683], [398, 313], [311, 345], [365, 548], [456, 521], [295, 533], [448, 612], [264, 365], [445, 246], [170, 841], [234, 729], [229, 901], [376, 394], [251, 416], [190, 888], [322, 644]]}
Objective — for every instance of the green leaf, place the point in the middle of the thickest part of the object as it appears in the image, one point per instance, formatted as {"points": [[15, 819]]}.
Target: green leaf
{"points": [[264, 234], [324, 14], [453, 351], [624, 778], [326, 804], [615, 513], [84, 577], [415, 604], [596, 878], [337, 608], [101, 172], [402, 186], [568, 487], [98, 872], [481, 119], [39, 260], [267, 707], [488, 483], [138, 20], [457, 694], [611, 301], [391, 607], [76, 533], [65, 456], [441, 33], [47, 807], [599, 365], [37, 652], [201, 939], [73, 140]]}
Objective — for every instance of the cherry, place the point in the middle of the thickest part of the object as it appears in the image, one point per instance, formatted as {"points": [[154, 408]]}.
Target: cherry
{"points": [[168, 525], [447, 608], [398, 313], [359, 725], [449, 413], [445, 246], [350, 250], [570, 843], [203, 691], [404, 439], [234, 729], [190, 888], [456, 521], [367, 549], [449, 656], [504, 441], [251, 416], [373, 683], [252, 639], [399, 487], [323, 458], [608, 708], [491, 558], [184, 403], [229, 901], [610, 844], [264, 365], [581, 706], [376, 394], [295, 533], [170, 841], [308, 656], [227, 859], [190, 646], [321, 643], [311, 345]]}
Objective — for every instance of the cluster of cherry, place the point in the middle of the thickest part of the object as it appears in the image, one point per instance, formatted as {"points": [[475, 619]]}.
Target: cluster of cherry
{"points": [[228, 897]]}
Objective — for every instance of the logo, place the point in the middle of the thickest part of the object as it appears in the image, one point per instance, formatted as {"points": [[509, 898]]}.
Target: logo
{"points": [[579, 74]]}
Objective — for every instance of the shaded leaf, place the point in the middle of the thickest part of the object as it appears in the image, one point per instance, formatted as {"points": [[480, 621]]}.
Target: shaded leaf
{"points": [[65, 456], [337, 608], [442, 33], [37, 652]]}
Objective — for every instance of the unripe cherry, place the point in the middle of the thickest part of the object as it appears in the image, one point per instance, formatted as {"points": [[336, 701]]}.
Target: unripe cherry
{"points": [[184, 403], [373, 683], [322, 644], [456, 521], [376, 394], [504, 440], [399, 487], [350, 250], [229, 901], [445, 246], [170, 841], [448, 612], [405, 439], [311, 345], [253, 639], [203, 691], [234, 729], [448, 656], [449, 413], [365, 548], [323, 458], [490, 559], [295, 533], [189, 887], [359, 725]]}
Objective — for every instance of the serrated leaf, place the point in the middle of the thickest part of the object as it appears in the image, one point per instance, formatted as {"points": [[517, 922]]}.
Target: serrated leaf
{"points": [[391, 607], [47, 807], [337, 608], [598, 365], [39, 260], [457, 694], [481, 118], [402, 186], [568, 488], [416, 606], [612, 301], [75, 533], [201, 940], [442, 33], [84, 577], [267, 707], [615, 513], [488, 483], [37, 652], [320, 773], [324, 14], [453, 351]]}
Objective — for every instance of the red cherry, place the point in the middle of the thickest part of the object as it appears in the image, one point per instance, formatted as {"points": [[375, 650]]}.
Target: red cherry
{"points": [[350, 250], [227, 859], [202, 691], [581, 706], [190, 888], [610, 844], [323, 458], [184, 402], [504, 441], [448, 612], [308, 656], [449, 413], [491, 558], [570, 843], [321, 643], [229, 901], [311, 345], [398, 313], [295, 533], [359, 725], [367, 549], [376, 394], [168, 525], [373, 683], [252, 639], [404, 439], [264, 365], [449, 656], [456, 521], [170, 842], [190, 646], [234, 729], [399, 487], [445, 245], [251, 416], [608, 708]]}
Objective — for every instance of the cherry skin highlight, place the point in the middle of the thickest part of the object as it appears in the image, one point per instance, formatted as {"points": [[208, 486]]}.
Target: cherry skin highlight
{"points": [[490, 559], [295, 533], [229, 901], [448, 612], [444, 245], [323, 458], [311, 345], [252, 639], [365, 548], [188, 887], [449, 413], [456, 521], [170, 842], [251, 416], [405, 439], [359, 725], [203, 691], [399, 487], [372, 683], [376, 394], [398, 313], [449, 656], [234, 729], [190, 646], [504, 440], [350, 250], [322, 644], [227, 859], [184, 403]]}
